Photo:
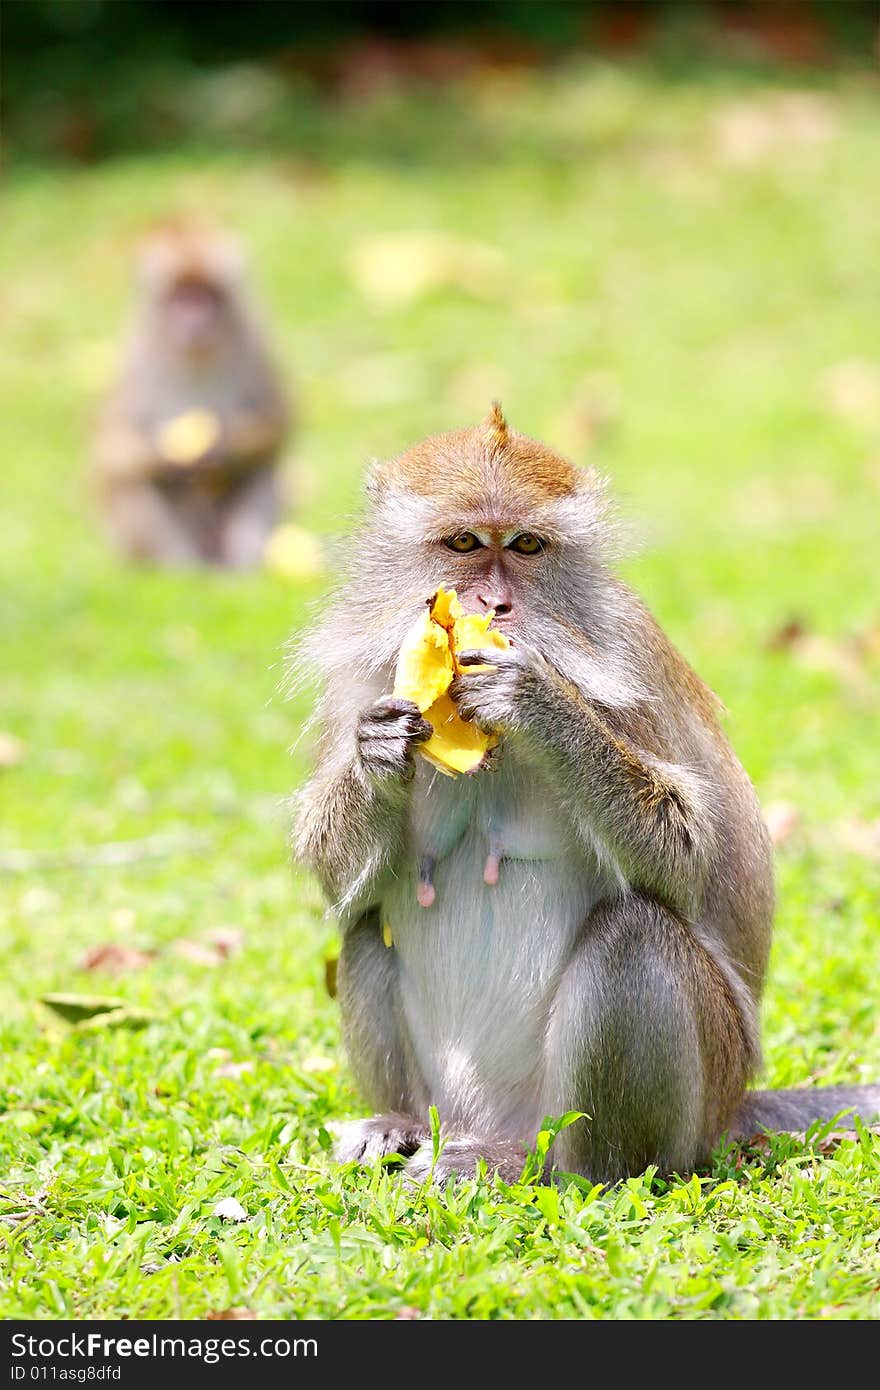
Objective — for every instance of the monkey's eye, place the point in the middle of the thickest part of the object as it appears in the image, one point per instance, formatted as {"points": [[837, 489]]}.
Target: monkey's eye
{"points": [[526, 544], [463, 542]]}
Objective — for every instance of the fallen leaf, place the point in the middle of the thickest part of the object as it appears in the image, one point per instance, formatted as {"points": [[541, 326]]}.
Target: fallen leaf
{"points": [[197, 953], [226, 941], [128, 1018], [38, 899], [841, 659], [229, 1209], [115, 959], [845, 658], [827, 1143], [75, 1007], [786, 636], [752, 132], [781, 818], [233, 1069], [317, 1064], [11, 750], [407, 1314], [393, 271], [331, 964], [861, 837], [231, 1315], [852, 390], [293, 553]]}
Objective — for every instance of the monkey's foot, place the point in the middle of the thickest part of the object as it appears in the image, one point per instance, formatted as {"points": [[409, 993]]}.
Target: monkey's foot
{"points": [[460, 1158], [363, 1141]]}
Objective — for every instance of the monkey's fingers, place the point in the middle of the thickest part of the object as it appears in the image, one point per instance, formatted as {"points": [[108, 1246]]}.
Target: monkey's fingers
{"points": [[392, 707], [487, 657]]}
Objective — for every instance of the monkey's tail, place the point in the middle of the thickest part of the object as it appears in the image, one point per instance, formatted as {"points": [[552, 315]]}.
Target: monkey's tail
{"points": [[797, 1110]]}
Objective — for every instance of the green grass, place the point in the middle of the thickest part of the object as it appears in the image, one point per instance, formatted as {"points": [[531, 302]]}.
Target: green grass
{"points": [[710, 298]]}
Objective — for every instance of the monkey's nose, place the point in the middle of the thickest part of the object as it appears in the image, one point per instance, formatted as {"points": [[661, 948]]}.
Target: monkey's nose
{"points": [[500, 602]]}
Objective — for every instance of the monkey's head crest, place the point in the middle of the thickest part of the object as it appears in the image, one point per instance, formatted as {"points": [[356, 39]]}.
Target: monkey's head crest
{"points": [[497, 426], [490, 468]]}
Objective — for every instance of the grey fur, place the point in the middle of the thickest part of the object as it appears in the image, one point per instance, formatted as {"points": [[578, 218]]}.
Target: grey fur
{"points": [[617, 965], [798, 1109]]}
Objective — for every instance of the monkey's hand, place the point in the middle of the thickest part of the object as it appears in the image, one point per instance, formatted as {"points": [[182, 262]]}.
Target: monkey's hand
{"points": [[495, 698], [388, 732]]}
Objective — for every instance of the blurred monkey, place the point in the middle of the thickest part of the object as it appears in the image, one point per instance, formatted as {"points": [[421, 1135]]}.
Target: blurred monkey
{"points": [[188, 442]]}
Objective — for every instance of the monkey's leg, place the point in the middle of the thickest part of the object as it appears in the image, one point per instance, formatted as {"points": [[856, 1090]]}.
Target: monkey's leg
{"points": [[645, 1037], [147, 526], [248, 516], [378, 1047]]}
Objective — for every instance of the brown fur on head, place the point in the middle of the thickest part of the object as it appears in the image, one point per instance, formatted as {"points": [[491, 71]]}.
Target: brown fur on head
{"points": [[489, 468], [492, 480], [187, 253]]}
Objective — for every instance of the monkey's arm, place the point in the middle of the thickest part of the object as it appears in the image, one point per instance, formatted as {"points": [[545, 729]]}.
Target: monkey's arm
{"points": [[654, 817], [252, 438], [350, 817], [123, 452]]}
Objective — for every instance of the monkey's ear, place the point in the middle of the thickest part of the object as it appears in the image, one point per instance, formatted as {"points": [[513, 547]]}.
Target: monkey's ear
{"points": [[496, 425]]}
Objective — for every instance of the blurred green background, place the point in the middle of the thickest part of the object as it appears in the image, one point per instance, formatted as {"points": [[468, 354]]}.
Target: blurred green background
{"points": [[652, 231]]}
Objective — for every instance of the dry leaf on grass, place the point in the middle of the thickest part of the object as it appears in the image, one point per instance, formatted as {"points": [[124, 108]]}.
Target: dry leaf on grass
{"points": [[393, 271], [331, 966], [751, 132], [782, 819], [218, 945], [316, 1065], [226, 941], [861, 837], [73, 1008], [231, 1315], [786, 636], [229, 1209], [128, 1018], [293, 553], [827, 1143], [11, 750], [847, 658], [196, 952], [115, 959], [233, 1069], [852, 390], [90, 1013]]}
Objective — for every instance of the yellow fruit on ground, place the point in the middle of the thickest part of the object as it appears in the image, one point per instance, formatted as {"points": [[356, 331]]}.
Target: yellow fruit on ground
{"points": [[426, 666], [188, 437]]}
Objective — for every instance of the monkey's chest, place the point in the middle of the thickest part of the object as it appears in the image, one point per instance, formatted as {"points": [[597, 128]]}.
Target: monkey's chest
{"points": [[483, 910], [506, 813]]}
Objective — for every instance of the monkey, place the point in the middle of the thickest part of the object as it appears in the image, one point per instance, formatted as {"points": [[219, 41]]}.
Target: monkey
{"points": [[583, 924], [188, 440]]}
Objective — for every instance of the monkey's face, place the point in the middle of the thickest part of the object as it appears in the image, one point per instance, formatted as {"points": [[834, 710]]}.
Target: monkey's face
{"points": [[494, 568], [193, 316], [498, 517]]}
